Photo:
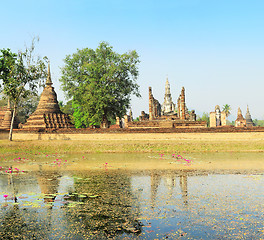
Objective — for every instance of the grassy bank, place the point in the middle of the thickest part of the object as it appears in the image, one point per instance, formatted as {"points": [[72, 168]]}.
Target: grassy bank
{"points": [[165, 143]]}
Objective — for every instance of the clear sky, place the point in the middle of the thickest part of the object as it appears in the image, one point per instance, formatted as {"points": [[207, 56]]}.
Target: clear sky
{"points": [[215, 49]]}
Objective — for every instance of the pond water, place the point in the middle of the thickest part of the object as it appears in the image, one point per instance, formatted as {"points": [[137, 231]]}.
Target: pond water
{"points": [[132, 196]]}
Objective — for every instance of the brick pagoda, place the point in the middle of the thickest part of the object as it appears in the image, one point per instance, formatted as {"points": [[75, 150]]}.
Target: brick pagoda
{"points": [[48, 114]]}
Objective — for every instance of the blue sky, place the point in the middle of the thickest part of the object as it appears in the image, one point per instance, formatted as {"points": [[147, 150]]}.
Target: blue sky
{"points": [[215, 49]]}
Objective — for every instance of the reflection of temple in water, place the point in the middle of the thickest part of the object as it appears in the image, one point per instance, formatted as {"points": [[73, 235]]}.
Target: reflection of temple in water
{"points": [[170, 182], [48, 182], [154, 185], [183, 185]]}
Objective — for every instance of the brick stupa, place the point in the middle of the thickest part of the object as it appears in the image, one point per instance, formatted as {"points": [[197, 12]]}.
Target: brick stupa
{"points": [[48, 114], [6, 117]]}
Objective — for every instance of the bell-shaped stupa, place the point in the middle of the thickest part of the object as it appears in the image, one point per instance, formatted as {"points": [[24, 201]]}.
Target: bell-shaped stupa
{"points": [[48, 113]]}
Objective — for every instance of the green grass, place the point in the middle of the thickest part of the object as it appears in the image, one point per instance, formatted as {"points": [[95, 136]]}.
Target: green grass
{"points": [[125, 146]]}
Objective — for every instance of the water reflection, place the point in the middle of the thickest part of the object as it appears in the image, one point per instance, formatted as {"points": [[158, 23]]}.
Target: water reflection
{"points": [[56, 203]]}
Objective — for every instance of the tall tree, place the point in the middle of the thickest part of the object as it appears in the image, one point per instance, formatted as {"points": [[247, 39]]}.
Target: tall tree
{"points": [[100, 83], [226, 109], [19, 75]]}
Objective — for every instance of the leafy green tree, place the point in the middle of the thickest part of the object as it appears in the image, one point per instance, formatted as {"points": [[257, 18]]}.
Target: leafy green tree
{"points": [[100, 83], [205, 117], [67, 109], [20, 75], [27, 106], [226, 109]]}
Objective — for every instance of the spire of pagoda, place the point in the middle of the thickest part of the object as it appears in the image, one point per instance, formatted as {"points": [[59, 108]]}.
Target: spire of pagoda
{"points": [[48, 81]]}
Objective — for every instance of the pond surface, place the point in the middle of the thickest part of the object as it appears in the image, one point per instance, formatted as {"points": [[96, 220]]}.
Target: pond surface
{"points": [[132, 196]]}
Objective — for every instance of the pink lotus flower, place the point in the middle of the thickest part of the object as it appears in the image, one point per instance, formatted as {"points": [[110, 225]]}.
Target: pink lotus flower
{"points": [[187, 160]]}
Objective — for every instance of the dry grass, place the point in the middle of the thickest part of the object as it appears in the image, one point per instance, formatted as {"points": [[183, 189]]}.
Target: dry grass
{"points": [[142, 142]]}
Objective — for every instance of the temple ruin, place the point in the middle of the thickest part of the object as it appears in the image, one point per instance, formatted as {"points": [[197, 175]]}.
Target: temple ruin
{"points": [[48, 114], [167, 115], [240, 121], [217, 118], [168, 107], [243, 122], [6, 117], [249, 122]]}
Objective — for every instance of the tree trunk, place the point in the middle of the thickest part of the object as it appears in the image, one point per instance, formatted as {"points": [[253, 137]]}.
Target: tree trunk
{"points": [[12, 124]]}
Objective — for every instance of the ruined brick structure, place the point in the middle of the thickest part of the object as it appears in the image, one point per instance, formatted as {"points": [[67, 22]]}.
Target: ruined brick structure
{"points": [[144, 116], [48, 114], [165, 116], [6, 117], [240, 121], [182, 109], [154, 106], [243, 122], [217, 118]]}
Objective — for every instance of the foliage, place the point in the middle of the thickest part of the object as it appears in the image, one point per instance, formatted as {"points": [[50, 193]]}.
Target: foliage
{"points": [[3, 101], [67, 109], [19, 75], [100, 83], [226, 109], [205, 117], [228, 123], [27, 106], [259, 123]]}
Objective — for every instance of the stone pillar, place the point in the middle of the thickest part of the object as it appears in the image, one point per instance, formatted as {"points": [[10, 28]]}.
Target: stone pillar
{"points": [[182, 104], [126, 121], [118, 121], [151, 117], [179, 107], [130, 116], [212, 119], [223, 119]]}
